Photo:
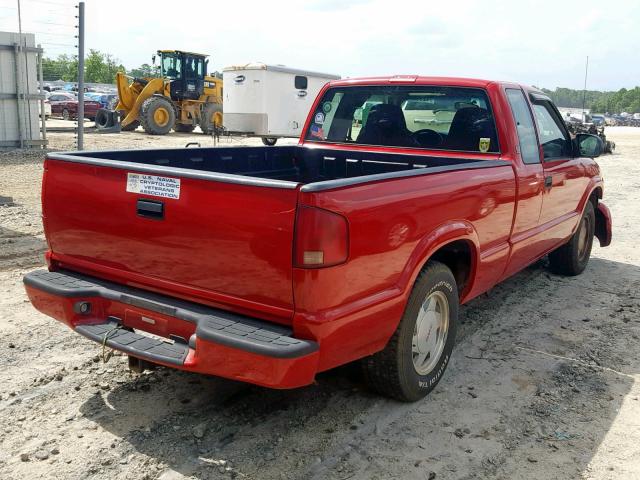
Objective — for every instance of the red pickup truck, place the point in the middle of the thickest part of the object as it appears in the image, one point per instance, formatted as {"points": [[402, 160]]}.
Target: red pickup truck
{"points": [[405, 197]]}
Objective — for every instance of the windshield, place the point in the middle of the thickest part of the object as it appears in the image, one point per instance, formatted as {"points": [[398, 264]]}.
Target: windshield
{"points": [[171, 66], [444, 118]]}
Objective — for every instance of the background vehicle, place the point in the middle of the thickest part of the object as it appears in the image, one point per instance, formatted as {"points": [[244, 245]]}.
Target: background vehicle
{"points": [[106, 100], [47, 105], [182, 98], [65, 105], [269, 101], [378, 235]]}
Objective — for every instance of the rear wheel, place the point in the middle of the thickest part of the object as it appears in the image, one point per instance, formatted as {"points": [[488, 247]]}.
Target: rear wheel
{"points": [[157, 115], [415, 358], [572, 257], [183, 128], [66, 115], [269, 141], [211, 118]]}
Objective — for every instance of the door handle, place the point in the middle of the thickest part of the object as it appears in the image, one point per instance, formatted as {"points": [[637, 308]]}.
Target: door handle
{"points": [[150, 209], [548, 182]]}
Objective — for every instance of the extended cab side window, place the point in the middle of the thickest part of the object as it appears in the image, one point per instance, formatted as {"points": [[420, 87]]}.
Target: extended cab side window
{"points": [[529, 150], [553, 138]]}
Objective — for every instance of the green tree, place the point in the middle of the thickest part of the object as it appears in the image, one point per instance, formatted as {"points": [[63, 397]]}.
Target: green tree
{"points": [[65, 68], [101, 67], [144, 71]]}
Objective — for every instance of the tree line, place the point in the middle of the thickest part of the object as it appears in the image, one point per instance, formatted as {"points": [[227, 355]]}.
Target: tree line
{"points": [[102, 68], [596, 101], [98, 68]]}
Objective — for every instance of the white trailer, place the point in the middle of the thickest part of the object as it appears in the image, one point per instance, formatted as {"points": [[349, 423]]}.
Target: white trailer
{"points": [[269, 101]]}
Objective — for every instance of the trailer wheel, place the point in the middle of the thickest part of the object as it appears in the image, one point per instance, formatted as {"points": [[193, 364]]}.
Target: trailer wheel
{"points": [[269, 141], [183, 128], [571, 258], [211, 118], [416, 356], [157, 115]]}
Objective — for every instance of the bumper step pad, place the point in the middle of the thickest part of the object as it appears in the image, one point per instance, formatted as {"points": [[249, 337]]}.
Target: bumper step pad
{"points": [[211, 324], [135, 344]]}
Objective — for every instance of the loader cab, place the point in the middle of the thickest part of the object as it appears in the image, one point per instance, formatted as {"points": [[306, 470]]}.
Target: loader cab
{"points": [[185, 71]]}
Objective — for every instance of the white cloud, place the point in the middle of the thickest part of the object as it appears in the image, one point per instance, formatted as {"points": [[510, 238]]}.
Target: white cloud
{"points": [[543, 43]]}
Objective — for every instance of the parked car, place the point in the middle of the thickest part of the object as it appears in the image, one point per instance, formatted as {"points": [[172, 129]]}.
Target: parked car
{"points": [[47, 106], [65, 105], [106, 100], [271, 264]]}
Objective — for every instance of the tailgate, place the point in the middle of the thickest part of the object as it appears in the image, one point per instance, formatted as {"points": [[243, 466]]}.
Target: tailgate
{"points": [[226, 244]]}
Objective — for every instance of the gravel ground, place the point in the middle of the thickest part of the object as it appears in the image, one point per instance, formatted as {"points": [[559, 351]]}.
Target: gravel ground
{"points": [[544, 382]]}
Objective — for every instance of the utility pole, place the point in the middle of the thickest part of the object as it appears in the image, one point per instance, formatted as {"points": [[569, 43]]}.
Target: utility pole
{"points": [[20, 93], [80, 75], [584, 90]]}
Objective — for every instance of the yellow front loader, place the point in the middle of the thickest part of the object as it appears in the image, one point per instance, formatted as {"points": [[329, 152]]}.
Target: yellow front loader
{"points": [[181, 99]]}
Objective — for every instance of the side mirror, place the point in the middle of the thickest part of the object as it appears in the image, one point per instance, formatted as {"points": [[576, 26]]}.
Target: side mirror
{"points": [[206, 67], [587, 145], [153, 59]]}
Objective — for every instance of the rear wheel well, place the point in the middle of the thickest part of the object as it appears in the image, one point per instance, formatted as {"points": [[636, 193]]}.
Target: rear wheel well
{"points": [[458, 257]]}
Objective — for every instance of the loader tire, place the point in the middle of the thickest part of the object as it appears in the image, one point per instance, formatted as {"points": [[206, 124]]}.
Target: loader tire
{"points": [[103, 119], [157, 115], [183, 128], [208, 120], [131, 127]]}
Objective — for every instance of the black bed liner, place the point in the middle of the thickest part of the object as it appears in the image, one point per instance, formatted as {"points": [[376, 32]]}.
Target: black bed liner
{"points": [[290, 167], [214, 325]]}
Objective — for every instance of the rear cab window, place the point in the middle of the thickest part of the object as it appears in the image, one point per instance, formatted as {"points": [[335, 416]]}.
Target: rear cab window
{"points": [[429, 117]]}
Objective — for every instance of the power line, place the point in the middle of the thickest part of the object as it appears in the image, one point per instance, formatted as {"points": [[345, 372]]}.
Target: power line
{"points": [[58, 4], [59, 44]]}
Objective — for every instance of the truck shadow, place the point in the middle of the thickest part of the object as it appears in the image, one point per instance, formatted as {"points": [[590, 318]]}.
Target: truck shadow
{"points": [[204, 426], [20, 250]]}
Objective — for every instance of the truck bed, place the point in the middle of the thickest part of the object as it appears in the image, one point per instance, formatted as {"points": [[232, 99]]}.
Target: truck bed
{"points": [[220, 228], [279, 167]]}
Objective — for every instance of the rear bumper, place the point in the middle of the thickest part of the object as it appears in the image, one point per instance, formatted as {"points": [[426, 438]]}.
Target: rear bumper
{"points": [[194, 337]]}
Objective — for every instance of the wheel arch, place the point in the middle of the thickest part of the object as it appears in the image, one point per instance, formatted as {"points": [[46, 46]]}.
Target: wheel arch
{"points": [[455, 244]]}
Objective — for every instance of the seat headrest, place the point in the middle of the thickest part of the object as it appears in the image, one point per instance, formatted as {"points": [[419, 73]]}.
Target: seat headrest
{"points": [[386, 115]]}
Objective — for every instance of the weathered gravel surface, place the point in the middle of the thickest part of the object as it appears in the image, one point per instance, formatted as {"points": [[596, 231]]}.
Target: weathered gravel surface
{"points": [[544, 382]]}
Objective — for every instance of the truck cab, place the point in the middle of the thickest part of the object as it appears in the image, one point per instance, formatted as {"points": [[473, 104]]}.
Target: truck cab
{"points": [[186, 72], [404, 198]]}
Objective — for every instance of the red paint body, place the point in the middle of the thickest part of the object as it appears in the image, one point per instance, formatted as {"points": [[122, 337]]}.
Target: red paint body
{"points": [[241, 257]]}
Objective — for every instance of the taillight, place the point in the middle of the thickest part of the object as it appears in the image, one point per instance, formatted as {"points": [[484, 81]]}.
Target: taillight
{"points": [[322, 238]]}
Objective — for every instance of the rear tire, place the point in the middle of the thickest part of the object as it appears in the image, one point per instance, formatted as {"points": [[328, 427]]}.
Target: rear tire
{"points": [[572, 257], [157, 115], [269, 141], [183, 128], [412, 363], [210, 112]]}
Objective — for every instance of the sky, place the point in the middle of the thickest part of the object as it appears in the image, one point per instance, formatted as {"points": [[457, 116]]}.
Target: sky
{"points": [[543, 43]]}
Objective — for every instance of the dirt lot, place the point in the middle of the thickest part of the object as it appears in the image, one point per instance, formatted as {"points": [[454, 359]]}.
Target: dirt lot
{"points": [[544, 383]]}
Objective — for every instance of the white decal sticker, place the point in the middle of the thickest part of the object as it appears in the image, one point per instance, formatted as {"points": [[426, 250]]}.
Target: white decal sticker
{"points": [[319, 118], [153, 185]]}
